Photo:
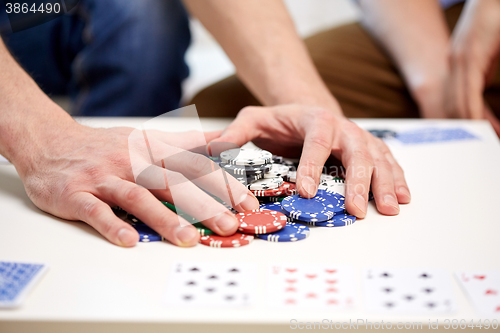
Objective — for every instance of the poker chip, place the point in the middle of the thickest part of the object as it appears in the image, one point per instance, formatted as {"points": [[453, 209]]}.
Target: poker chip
{"points": [[285, 189], [146, 234], [266, 184], [336, 185], [340, 220], [248, 180], [291, 176], [236, 240], [320, 208], [324, 176], [241, 170], [202, 230], [264, 200], [277, 159], [277, 170], [337, 200], [261, 221], [292, 232], [276, 206], [244, 156]]}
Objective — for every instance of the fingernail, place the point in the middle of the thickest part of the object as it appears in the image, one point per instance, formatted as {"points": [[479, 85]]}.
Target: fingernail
{"points": [[186, 234], [309, 185], [360, 202], [226, 222], [249, 202], [404, 190], [391, 201], [126, 237]]}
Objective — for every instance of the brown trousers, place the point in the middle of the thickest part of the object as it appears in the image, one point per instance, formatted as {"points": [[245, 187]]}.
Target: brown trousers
{"points": [[356, 70]]}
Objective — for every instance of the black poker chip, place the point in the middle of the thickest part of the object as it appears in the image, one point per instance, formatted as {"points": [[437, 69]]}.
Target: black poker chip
{"points": [[243, 170]]}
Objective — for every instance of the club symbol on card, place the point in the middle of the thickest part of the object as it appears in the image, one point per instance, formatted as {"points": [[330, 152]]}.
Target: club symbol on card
{"points": [[490, 292], [231, 283], [234, 270], [425, 276], [212, 277], [194, 269], [480, 277], [191, 283], [187, 297], [385, 275], [427, 290], [409, 298], [210, 290], [387, 290]]}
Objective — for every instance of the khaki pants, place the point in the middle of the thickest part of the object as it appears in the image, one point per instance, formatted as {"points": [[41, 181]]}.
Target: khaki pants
{"points": [[354, 67]]}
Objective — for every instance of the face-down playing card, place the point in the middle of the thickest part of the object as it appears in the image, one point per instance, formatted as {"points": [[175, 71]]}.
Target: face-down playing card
{"points": [[318, 286], [211, 284], [483, 289], [16, 281], [408, 291]]}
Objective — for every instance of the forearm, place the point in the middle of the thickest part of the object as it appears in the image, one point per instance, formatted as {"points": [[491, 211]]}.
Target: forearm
{"points": [[270, 58], [415, 35], [25, 111]]}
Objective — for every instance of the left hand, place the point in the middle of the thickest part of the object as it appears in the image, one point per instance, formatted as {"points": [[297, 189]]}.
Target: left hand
{"points": [[474, 55], [318, 133]]}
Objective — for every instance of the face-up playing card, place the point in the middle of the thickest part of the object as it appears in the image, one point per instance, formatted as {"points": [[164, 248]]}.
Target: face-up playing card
{"points": [[311, 286], [408, 291], [211, 284], [430, 135], [16, 280], [483, 289]]}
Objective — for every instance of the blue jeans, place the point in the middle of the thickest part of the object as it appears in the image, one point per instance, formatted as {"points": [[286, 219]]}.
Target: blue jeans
{"points": [[112, 57]]}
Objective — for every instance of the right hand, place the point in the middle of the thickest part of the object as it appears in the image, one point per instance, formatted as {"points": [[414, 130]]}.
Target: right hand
{"points": [[77, 173]]}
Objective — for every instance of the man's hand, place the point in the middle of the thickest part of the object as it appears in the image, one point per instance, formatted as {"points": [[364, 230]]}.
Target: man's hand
{"points": [[80, 172], [288, 129], [475, 50]]}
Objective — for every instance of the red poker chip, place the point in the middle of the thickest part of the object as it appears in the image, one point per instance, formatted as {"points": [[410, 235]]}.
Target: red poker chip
{"points": [[236, 240], [285, 189], [261, 221]]}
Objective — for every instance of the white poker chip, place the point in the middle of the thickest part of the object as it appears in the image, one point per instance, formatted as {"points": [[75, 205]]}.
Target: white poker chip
{"points": [[326, 177], [266, 184], [244, 156], [291, 176], [334, 185], [277, 170]]}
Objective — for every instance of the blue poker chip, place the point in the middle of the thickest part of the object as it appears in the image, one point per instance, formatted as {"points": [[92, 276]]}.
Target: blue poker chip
{"points": [[340, 220], [292, 232], [146, 234], [320, 208], [276, 206]]}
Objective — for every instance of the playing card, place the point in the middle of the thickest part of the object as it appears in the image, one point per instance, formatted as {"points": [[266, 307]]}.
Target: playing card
{"points": [[211, 284], [16, 281], [408, 291], [483, 289], [432, 134], [311, 286]]}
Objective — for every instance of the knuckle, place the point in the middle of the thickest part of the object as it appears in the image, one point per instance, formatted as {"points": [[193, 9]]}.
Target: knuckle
{"points": [[363, 155], [321, 142], [90, 210], [134, 195]]}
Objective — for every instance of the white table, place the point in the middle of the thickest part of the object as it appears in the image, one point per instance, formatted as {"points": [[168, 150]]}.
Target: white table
{"points": [[452, 223]]}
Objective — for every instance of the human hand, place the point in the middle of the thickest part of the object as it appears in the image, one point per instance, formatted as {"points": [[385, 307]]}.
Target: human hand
{"points": [[475, 50], [318, 133], [78, 172]]}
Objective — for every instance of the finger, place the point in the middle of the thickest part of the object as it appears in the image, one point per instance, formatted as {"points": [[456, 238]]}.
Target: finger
{"points": [[359, 167], [474, 86], [400, 186], [488, 114], [317, 148], [141, 203], [244, 128], [383, 181], [99, 215], [209, 136], [458, 97]]}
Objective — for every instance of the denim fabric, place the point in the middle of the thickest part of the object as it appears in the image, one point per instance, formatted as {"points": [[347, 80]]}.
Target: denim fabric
{"points": [[112, 57]]}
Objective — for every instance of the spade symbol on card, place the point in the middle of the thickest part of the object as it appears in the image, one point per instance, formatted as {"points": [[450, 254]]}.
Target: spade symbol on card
{"points": [[424, 276], [191, 283], [427, 290], [409, 298], [188, 297], [212, 277], [387, 290], [431, 305], [389, 304], [229, 297], [234, 270], [210, 290], [231, 283], [385, 275]]}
